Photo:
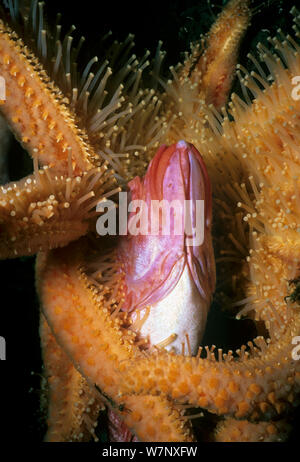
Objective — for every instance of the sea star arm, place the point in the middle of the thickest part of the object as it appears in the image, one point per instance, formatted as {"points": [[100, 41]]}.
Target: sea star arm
{"points": [[231, 430], [246, 388], [47, 210], [165, 423], [218, 61], [202, 84], [36, 108], [73, 405]]}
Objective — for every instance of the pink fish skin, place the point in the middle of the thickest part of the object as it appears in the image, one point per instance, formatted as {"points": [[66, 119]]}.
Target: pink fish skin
{"points": [[154, 263]]}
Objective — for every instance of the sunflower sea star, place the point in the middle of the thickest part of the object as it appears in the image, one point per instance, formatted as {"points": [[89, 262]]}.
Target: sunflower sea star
{"points": [[93, 133]]}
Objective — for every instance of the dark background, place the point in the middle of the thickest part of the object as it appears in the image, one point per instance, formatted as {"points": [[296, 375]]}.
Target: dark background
{"points": [[176, 23]]}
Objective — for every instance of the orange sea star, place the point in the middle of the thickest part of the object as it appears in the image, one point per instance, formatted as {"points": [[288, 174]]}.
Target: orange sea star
{"points": [[83, 140]]}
